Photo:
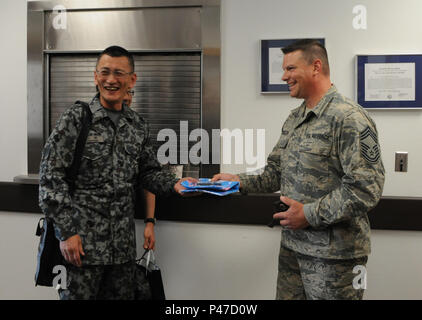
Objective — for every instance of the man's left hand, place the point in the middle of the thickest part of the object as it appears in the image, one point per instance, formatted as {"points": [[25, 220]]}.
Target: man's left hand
{"points": [[149, 236], [294, 218]]}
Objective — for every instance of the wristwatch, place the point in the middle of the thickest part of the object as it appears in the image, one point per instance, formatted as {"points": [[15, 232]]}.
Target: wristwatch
{"points": [[152, 220]]}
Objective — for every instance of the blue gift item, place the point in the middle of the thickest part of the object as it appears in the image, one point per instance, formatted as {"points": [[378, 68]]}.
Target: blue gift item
{"points": [[219, 188]]}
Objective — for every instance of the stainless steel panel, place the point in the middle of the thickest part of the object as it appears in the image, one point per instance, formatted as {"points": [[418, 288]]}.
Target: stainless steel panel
{"points": [[65, 75], [134, 29], [210, 27], [35, 90], [27, 179], [203, 36], [113, 4], [163, 100]]}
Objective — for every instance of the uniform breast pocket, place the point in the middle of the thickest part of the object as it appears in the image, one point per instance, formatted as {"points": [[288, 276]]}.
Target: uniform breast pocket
{"points": [[312, 148], [96, 162], [314, 160], [131, 157], [95, 151], [133, 149], [317, 144], [133, 145], [284, 140]]}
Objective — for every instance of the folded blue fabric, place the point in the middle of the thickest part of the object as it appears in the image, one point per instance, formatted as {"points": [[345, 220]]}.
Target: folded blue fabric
{"points": [[218, 188]]}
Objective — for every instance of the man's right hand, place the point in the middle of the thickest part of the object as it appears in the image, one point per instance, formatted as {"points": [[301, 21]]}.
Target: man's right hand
{"points": [[179, 188], [227, 177], [72, 250]]}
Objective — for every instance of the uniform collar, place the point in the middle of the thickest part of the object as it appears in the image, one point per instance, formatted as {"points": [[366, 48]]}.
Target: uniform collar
{"points": [[319, 109], [98, 111]]}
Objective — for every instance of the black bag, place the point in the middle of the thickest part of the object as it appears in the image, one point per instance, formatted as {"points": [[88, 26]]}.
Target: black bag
{"points": [[49, 254], [148, 280]]}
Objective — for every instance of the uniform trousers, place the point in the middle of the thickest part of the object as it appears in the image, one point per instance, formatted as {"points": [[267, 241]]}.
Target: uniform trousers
{"points": [[303, 277], [100, 282]]}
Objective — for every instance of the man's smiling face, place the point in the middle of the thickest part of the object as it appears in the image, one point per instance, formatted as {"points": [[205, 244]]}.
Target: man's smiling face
{"points": [[114, 77], [297, 74]]}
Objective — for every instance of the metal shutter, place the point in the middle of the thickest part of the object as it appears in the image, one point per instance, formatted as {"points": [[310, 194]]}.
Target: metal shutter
{"points": [[168, 90]]}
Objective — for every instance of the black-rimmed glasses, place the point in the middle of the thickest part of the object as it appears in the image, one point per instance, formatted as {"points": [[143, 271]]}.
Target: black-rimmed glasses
{"points": [[104, 73]]}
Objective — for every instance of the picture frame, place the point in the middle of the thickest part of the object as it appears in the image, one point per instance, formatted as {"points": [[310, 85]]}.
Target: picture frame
{"points": [[271, 65], [389, 81]]}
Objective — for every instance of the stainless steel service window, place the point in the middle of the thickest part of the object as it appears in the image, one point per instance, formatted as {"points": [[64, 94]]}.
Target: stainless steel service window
{"points": [[167, 91]]}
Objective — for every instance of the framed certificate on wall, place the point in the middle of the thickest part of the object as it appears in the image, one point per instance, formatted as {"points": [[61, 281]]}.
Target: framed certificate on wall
{"points": [[272, 65], [389, 81]]}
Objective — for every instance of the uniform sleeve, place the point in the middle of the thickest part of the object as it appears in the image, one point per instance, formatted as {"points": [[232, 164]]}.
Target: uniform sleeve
{"points": [[153, 176], [266, 179], [363, 175], [57, 155]]}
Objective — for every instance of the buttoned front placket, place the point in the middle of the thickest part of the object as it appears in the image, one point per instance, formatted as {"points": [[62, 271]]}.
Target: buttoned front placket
{"points": [[298, 136], [120, 218], [118, 167], [113, 204]]}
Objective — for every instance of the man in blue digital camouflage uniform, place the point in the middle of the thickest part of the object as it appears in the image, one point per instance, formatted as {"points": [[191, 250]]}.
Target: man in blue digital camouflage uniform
{"points": [[327, 165], [95, 225]]}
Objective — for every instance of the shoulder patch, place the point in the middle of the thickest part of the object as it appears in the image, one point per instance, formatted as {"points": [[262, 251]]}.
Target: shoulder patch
{"points": [[369, 147]]}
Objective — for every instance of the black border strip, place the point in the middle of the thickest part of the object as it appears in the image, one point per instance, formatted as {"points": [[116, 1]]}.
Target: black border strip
{"points": [[392, 213]]}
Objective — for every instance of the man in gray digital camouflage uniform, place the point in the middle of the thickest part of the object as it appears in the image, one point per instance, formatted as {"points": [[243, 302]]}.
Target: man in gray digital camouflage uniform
{"points": [[96, 225], [328, 167]]}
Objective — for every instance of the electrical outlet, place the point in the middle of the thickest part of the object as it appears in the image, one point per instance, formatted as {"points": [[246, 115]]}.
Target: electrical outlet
{"points": [[401, 161]]}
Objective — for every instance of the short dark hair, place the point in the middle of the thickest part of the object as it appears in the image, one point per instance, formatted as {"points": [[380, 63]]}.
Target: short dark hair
{"points": [[116, 51], [311, 49]]}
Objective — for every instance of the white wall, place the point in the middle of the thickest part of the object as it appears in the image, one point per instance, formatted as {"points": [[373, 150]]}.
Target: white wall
{"points": [[13, 132], [217, 261], [18, 250], [394, 267], [393, 27]]}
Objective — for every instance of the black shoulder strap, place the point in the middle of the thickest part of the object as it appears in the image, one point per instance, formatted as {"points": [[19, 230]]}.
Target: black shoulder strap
{"points": [[72, 172]]}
